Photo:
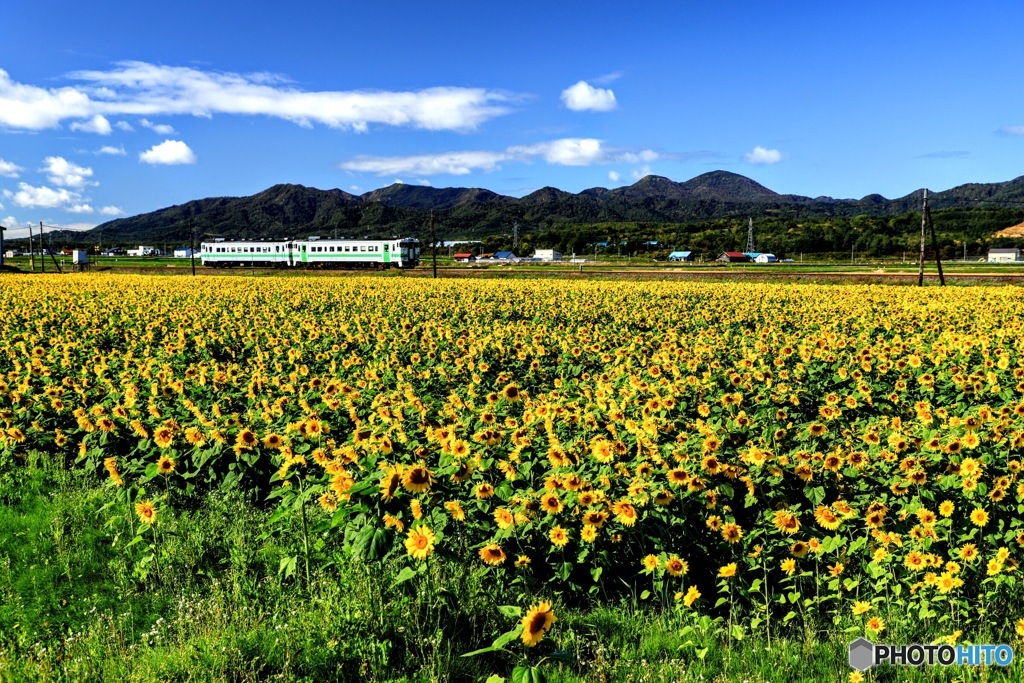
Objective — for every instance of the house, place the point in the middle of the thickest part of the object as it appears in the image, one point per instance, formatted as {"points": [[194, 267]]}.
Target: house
{"points": [[505, 256], [464, 258], [184, 252], [143, 251], [765, 258], [485, 257], [547, 255], [733, 257], [1011, 255], [681, 256]]}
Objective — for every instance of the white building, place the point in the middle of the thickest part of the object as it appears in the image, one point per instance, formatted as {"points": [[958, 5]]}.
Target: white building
{"points": [[142, 251], [765, 258], [184, 252], [547, 255], [1003, 255]]}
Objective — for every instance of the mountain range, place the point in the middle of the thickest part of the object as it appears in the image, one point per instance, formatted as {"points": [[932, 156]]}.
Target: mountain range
{"points": [[287, 211]]}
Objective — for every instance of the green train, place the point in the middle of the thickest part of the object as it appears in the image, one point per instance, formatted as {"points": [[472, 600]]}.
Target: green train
{"points": [[313, 253]]}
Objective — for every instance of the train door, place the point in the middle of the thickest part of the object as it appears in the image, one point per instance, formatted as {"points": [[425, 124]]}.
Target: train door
{"points": [[291, 258], [387, 255]]}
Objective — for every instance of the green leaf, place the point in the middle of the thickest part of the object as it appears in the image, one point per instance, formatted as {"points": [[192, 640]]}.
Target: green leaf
{"points": [[528, 674], [404, 575], [287, 567], [511, 611], [495, 678]]}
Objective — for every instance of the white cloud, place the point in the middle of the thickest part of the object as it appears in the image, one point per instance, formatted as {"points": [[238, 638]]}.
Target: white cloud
{"points": [[79, 208], [760, 155], [158, 128], [62, 172], [169, 152], [114, 151], [112, 211], [9, 222], [398, 181], [447, 163], [30, 197], [424, 181], [585, 97], [97, 124], [614, 176], [9, 169], [1012, 130], [641, 172], [355, 188], [563, 152], [124, 125], [142, 89]]}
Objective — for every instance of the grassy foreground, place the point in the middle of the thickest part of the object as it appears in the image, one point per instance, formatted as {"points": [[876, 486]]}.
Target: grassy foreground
{"points": [[72, 609]]}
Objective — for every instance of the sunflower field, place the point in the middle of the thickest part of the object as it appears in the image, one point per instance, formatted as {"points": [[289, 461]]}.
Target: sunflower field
{"points": [[764, 454]]}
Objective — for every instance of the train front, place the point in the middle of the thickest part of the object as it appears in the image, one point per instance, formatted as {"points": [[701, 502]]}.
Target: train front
{"points": [[410, 250]]}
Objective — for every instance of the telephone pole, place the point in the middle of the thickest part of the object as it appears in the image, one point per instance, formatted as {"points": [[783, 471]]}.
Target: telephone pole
{"points": [[192, 244], [935, 245], [924, 223], [750, 236], [433, 242]]}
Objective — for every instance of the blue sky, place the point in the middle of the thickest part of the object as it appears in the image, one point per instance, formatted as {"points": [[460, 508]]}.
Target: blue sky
{"points": [[117, 108]]}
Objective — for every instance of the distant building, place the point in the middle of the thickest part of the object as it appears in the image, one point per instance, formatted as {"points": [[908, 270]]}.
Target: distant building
{"points": [[505, 256], [734, 257], [184, 252], [765, 258], [143, 251], [464, 258], [1004, 255], [547, 255], [681, 256]]}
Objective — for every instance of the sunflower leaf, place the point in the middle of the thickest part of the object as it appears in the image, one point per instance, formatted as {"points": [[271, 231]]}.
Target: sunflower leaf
{"points": [[511, 611]]}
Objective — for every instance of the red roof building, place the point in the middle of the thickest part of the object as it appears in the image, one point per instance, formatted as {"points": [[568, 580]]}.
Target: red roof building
{"points": [[733, 257]]}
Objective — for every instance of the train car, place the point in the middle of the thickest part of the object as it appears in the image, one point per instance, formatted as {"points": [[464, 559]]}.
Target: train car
{"points": [[248, 254], [379, 254], [314, 253]]}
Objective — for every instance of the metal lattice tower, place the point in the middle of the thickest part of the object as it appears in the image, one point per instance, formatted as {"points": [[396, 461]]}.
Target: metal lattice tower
{"points": [[515, 236], [750, 235]]}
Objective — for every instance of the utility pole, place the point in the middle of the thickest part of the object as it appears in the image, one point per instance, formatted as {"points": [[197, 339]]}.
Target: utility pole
{"points": [[924, 223], [750, 236], [31, 251], [935, 244], [433, 242], [192, 244], [2, 228]]}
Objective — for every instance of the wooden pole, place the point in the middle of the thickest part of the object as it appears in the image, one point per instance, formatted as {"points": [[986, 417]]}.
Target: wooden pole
{"points": [[42, 250], [920, 260], [433, 241], [192, 245], [935, 245]]}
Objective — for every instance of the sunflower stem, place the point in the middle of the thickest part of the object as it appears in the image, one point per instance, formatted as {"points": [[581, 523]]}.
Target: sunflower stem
{"points": [[305, 530]]}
